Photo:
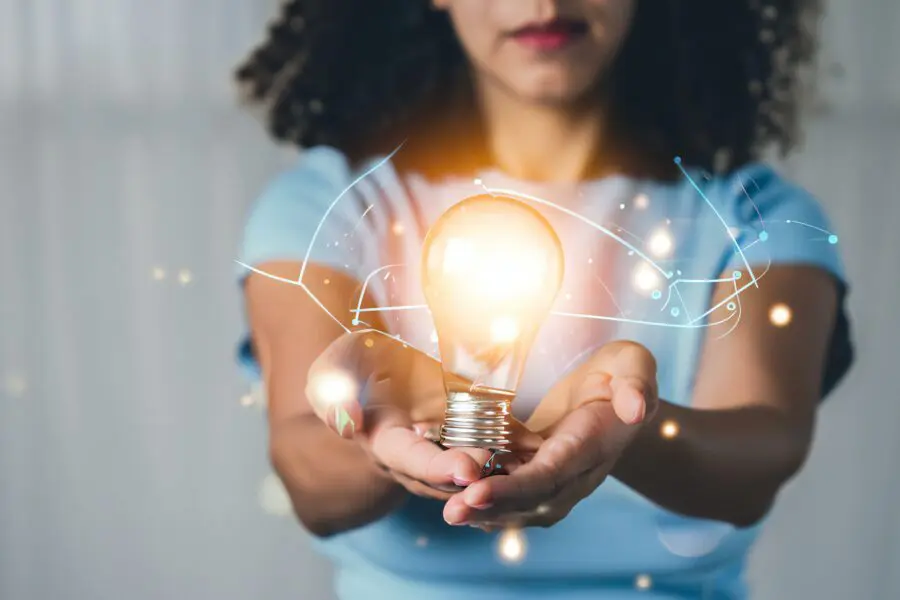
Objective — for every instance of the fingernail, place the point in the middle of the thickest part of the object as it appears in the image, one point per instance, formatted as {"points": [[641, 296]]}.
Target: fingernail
{"points": [[637, 411], [342, 421], [483, 506], [420, 431], [461, 482]]}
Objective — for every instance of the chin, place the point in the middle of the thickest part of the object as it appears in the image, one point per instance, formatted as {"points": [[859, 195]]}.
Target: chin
{"points": [[552, 84]]}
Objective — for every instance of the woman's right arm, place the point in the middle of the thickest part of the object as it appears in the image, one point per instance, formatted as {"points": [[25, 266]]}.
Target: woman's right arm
{"points": [[344, 472], [333, 483]]}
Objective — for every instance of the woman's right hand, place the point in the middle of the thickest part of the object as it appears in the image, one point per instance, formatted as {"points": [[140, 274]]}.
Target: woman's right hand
{"points": [[382, 393]]}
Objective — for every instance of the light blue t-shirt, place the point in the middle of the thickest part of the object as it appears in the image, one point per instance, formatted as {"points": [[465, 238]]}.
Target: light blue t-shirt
{"points": [[642, 259]]}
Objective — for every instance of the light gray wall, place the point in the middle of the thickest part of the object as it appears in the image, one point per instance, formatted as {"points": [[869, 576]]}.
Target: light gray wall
{"points": [[129, 467]]}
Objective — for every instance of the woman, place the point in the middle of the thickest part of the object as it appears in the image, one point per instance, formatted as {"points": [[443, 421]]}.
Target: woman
{"points": [[664, 407]]}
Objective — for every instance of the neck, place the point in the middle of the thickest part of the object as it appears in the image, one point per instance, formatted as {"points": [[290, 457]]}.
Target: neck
{"points": [[539, 142]]}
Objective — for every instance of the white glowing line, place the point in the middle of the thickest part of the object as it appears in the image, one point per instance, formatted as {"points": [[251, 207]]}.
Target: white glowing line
{"points": [[751, 244], [585, 220], [365, 285], [810, 226], [334, 202], [299, 284], [392, 308], [721, 220], [638, 322], [610, 294], [683, 304], [736, 294], [752, 203], [737, 311]]}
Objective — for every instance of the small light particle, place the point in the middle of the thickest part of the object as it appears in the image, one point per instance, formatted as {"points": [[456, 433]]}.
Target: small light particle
{"points": [[185, 277], [622, 206], [641, 201], [669, 429], [159, 273], [434, 337], [832, 239], [397, 228], [421, 541], [369, 343], [646, 279], [661, 243], [780, 315], [15, 385], [247, 400], [643, 582], [511, 545], [327, 281]]}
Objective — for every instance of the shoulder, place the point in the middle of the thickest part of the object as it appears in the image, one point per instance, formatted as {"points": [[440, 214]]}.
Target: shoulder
{"points": [[758, 190], [317, 169]]}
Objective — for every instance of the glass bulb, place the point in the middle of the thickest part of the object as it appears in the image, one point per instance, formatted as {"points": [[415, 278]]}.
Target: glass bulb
{"points": [[491, 269]]}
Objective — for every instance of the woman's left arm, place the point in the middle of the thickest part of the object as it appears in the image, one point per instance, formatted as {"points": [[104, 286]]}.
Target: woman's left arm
{"points": [[750, 424], [747, 431]]}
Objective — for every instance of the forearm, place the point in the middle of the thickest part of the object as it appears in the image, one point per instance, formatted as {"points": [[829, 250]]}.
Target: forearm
{"points": [[333, 485], [725, 464]]}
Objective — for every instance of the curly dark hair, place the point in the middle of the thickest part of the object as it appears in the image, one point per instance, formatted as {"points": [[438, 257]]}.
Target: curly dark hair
{"points": [[711, 81]]}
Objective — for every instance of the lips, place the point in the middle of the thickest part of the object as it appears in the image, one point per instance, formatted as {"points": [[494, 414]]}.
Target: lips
{"points": [[552, 35]]}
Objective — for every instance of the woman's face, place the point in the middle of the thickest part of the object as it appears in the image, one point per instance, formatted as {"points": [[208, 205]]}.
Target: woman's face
{"points": [[547, 51]]}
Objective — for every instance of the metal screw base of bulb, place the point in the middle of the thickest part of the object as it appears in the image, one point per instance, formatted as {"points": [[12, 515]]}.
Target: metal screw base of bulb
{"points": [[476, 421]]}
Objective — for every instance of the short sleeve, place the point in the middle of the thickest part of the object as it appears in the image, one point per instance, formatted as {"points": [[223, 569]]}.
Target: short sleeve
{"points": [[303, 212], [779, 223], [309, 211]]}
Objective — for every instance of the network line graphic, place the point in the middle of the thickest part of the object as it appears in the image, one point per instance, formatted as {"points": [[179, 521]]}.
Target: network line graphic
{"points": [[673, 303]]}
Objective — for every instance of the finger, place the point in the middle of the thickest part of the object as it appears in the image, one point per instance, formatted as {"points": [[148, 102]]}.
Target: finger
{"points": [[571, 450], [424, 490], [404, 451], [629, 399]]}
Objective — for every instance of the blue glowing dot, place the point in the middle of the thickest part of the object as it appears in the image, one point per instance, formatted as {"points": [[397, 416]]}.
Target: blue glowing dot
{"points": [[832, 239], [498, 466], [788, 221], [677, 160], [763, 236], [656, 295], [737, 274], [355, 321], [678, 272], [731, 306], [675, 311]]}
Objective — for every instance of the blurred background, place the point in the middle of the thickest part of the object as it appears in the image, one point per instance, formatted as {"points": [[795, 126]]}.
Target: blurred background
{"points": [[133, 458]]}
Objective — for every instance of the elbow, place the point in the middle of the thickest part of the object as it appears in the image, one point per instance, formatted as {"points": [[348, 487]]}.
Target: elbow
{"points": [[756, 503]]}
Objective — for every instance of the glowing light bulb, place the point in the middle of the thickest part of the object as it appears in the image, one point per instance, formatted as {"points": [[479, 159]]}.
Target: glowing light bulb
{"points": [[511, 545], [491, 269]]}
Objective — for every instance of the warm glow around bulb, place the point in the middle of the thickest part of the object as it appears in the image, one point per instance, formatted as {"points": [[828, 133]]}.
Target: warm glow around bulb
{"points": [[504, 330]]}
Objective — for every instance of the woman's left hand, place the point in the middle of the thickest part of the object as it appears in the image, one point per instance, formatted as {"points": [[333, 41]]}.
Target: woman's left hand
{"points": [[600, 407]]}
